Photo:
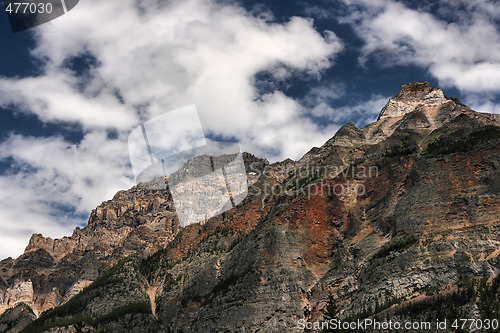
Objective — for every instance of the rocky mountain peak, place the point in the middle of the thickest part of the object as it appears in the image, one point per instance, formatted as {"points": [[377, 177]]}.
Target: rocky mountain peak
{"points": [[416, 89], [348, 129], [411, 97], [347, 135]]}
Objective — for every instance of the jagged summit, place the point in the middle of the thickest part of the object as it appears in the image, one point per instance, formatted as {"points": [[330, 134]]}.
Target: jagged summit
{"points": [[348, 129], [410, 97], [347, 134], [417, 107]]}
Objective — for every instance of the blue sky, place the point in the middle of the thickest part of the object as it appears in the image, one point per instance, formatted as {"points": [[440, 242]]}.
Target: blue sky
{"points": [[277, 77]]}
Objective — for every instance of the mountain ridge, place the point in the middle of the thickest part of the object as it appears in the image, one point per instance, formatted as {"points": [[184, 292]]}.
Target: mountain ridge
{"points": [[324, 232]]}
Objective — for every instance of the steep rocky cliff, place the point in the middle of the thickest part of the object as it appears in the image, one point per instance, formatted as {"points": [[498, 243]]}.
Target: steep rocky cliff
{"points": [[393, 220], [138, 221]]}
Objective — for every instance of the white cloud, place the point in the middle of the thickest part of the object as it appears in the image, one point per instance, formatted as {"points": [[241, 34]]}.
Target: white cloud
{"points": [[49, 174], [464, 53], [482, 102], [365, 111], [153, 57], [53, 97], [23, 212], [169, 55], [319, 99], [474, 9], [321, 102]]}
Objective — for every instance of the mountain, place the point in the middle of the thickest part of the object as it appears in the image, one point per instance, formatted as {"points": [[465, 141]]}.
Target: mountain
{"points": [[397, 220]]}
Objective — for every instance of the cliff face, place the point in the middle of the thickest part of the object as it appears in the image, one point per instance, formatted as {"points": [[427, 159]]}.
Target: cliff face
{"points": [[406, 208], [138, 221]]}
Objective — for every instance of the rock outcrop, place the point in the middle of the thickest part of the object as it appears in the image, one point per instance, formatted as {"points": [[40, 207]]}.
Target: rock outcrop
{"points": [[135, 222], [411, 97], [16, 318]]}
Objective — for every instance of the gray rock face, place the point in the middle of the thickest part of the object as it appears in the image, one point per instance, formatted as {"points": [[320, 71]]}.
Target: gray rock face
{"points": [[407, 213], [411, 97], [16, 318], [138, 221]]}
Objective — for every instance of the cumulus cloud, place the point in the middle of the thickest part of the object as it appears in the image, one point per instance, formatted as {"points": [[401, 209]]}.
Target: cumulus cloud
{"points": [[54, 97], [321, 102], [164, 55], [320, 98], [52, 185], [365, 111], [483, 102], [148, 58], [461, 48]]}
